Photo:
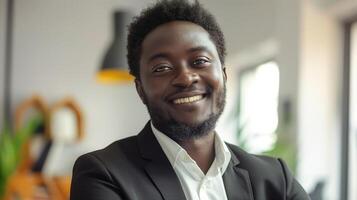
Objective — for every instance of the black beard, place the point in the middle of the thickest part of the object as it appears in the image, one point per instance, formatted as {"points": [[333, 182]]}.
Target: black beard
{"points": [[180, 132]]}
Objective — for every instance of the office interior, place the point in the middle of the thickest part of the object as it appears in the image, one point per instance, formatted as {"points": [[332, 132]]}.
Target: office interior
{"points": [[291, 89]]}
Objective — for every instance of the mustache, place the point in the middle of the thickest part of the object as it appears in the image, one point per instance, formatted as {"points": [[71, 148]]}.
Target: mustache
{"points": [[192, 89]]}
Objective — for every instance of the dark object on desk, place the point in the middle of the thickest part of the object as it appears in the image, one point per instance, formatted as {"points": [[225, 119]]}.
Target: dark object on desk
{"points": [[317, 193]]}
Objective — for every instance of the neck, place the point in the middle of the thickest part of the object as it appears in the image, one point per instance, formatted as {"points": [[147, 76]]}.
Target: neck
{"points": [[201, 150]]}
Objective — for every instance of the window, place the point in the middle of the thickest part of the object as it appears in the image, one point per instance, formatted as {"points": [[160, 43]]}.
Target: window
{"points": [[258, 107]]}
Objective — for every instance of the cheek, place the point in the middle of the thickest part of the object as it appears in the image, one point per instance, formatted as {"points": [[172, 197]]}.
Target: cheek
{"points": [[216, 79], [153, 90]]}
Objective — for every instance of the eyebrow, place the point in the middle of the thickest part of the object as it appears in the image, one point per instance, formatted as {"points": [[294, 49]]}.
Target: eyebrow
{"points": [[166, 55], [199, 48], [158, 55]]}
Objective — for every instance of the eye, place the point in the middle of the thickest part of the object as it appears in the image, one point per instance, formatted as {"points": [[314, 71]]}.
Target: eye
{"points": [[202, 61], [161, 68]]}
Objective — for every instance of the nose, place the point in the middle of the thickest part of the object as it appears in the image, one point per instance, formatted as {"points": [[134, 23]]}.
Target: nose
{"points": [[185, 77]]}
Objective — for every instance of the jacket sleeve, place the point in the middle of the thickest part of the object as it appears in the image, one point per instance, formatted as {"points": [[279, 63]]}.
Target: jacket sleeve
{"points": [[91, 180], [294, 191]]}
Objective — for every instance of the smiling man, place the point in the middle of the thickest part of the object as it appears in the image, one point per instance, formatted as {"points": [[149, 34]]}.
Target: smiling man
{"points": [[176, 52]]}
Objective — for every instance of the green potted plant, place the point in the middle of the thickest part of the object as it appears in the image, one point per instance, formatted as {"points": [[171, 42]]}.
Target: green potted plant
{"points": [[11, 144]]}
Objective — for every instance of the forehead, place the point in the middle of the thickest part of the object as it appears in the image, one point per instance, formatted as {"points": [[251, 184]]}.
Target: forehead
{"points": [[175, 36]]}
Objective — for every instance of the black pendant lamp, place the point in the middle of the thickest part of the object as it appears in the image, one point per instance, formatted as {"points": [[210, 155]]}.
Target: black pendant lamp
{"points": [[114, 68]]}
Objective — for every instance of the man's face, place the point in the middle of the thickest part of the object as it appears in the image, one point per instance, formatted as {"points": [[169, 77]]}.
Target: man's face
{"points": [[182, 81]]}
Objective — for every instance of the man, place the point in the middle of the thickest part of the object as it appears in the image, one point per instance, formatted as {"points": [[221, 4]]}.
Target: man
{"points": [[176, 52]]}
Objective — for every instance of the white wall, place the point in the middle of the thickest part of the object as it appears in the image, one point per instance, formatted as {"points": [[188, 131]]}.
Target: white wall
{"points": [[245, 24], [341, 9], [320, 89], [287, 32]]}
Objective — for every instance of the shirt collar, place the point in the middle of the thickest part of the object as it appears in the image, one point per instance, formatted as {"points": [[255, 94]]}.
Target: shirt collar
{"points": [[173, 150]]}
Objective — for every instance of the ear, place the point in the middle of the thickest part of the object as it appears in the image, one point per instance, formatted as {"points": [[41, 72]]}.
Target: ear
{"points": [[224, 73], [139, 90]]}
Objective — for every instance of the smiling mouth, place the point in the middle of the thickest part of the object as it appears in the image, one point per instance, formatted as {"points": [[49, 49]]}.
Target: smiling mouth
{"points": [[188, 99]]}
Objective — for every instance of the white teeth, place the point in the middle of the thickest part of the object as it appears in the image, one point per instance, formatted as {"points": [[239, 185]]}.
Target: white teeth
{"points": [[188, 99]]}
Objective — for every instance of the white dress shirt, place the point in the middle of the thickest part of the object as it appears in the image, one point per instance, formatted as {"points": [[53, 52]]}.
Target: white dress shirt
{"points": [[195, 184]]}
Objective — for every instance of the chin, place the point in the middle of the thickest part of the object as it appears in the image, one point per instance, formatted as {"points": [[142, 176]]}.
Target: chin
{"points": [[180, 131]]}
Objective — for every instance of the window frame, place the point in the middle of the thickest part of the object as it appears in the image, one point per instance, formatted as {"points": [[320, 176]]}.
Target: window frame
{"points": [[346, 95]]}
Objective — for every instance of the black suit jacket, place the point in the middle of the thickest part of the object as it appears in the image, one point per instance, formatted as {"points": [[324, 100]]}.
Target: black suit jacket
{"points": [[136, 168]]}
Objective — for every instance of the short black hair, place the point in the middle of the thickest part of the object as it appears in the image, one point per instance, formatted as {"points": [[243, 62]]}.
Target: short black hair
{"points": [[165, 11]]}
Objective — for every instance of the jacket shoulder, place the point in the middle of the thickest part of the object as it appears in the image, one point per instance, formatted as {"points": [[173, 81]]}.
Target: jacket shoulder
{"points": [[124, 150], [261, 168], [269, 175], [254, 162], [109, 173]]}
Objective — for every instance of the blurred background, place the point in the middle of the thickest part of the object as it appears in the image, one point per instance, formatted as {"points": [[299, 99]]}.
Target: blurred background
{"points": [[292, 88]]}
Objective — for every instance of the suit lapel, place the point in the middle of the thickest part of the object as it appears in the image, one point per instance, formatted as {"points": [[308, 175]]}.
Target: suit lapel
{"points": [[236, 181], [158, 166]]}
